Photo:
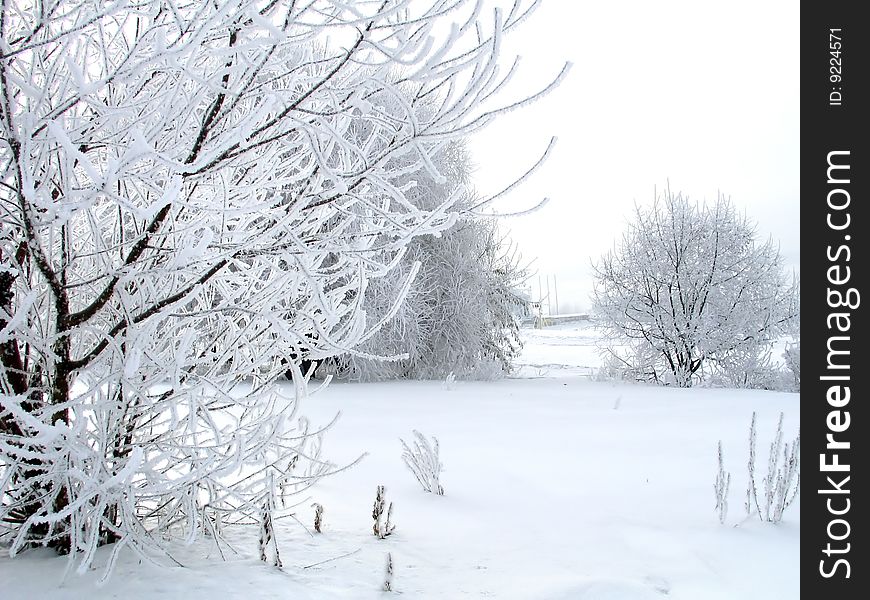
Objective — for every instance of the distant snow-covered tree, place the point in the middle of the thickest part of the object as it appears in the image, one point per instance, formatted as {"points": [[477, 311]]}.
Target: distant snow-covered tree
{"points": [[459, 313], [190, 195], [689, 287], [792, 356]]}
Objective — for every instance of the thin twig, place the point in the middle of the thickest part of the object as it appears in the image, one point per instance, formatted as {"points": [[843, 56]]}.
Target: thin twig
{"points": [[332, 559]]}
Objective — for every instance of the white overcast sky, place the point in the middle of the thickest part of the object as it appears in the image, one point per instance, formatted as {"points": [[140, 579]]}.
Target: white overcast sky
{"points": [[703, 95]]}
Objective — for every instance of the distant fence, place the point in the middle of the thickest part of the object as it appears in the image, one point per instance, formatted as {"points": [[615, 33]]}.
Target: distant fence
{"points": [[532, 321]]}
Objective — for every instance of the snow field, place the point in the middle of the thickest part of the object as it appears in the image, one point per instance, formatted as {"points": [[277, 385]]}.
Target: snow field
{"points": [[555, 488]]}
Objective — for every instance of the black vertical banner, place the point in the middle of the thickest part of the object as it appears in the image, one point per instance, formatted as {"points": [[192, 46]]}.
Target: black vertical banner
{"points": [[835, 300]]}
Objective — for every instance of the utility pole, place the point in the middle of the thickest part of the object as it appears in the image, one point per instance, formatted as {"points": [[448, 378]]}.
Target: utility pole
{"points": [[549, 306], [556, 294]]}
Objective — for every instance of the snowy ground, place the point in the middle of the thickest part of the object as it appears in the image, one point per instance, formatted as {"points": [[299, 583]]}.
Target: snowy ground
{"points": [[557, 487], [561, 350]]}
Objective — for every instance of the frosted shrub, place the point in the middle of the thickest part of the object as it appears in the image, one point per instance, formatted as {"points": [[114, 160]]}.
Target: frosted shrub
{"points": [[723, 483], [382, 526], [783, 480], [747, 367], [782, 483], [388, 574], [612, 368], [627, 364], [423, 462], [751, 488]]}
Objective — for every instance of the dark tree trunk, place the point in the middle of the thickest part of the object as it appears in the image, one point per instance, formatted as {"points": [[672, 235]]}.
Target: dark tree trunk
{"points": [[304, 365]]}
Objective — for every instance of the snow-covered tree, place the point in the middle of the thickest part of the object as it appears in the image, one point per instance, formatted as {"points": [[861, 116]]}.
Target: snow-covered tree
{"points": [[191, 194], [689, 287], [458, 315], [792, 357], [469, 278]]}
